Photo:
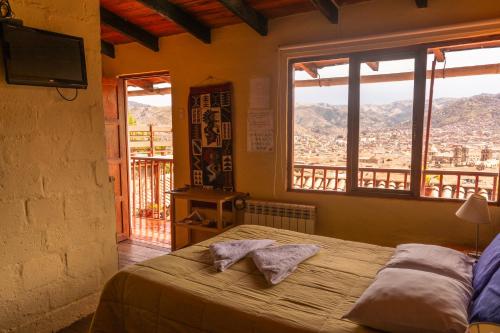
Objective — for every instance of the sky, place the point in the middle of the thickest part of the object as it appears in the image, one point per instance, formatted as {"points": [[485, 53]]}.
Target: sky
{"points": [[377, 93]]}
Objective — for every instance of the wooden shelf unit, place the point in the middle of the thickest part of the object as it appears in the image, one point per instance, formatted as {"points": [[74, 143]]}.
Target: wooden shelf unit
{"points": [[216, 197]]}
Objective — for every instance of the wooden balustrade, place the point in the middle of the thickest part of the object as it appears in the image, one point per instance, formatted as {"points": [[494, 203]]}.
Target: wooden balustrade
{"points": [[150, 140], [151, 178], [438, 183]]}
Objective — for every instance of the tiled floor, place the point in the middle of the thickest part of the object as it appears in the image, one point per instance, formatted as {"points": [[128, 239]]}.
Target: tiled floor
{"points": [[129, 252]]}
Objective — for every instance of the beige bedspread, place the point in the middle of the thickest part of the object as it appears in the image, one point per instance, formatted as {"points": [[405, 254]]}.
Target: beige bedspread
{"points": [[182, 292]]}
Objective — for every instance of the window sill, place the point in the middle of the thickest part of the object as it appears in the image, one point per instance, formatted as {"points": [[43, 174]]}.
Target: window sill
{"points": [[402, 196]]}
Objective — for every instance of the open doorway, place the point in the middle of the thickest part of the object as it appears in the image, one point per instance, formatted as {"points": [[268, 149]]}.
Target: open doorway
{"points": [[151, 161]]}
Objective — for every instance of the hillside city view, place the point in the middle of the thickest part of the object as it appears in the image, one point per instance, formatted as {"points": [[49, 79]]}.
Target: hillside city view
{"points": [[464, 134], [464, 131]]}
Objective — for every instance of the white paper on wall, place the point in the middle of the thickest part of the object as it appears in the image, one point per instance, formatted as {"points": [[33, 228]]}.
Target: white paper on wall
{"points": [[260, 93], [260, 131]]}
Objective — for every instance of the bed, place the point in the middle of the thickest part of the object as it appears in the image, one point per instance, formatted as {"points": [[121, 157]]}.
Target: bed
{"points": [[182, 292]]}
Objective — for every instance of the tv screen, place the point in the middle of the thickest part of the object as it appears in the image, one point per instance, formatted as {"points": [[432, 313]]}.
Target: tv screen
{"points": [[43, 58]]}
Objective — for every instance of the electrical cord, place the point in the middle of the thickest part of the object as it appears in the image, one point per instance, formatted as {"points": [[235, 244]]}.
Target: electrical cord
{"points": [[66, 98]]}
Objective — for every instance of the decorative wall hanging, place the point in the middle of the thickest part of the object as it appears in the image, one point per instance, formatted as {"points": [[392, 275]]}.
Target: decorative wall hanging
{"points": [[210, 131]]}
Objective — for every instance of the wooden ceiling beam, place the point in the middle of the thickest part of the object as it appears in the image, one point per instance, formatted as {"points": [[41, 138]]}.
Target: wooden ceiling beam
{"points": [[250, 16], [404, 76], [439, 55], [107, 49], [180, 17], [374, 65], [310, 69], [328, 9], [123, 26], [421, 3]]}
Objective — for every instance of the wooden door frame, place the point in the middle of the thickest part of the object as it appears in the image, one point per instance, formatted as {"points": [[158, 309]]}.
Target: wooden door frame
{"points": [[121, 122], [122, 96]]}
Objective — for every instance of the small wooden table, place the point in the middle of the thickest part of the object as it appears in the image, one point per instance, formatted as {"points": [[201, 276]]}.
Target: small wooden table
{"points": [[216, 197]]}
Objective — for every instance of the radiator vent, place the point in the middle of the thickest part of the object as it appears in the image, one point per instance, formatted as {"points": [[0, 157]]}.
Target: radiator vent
{"points": [[301, 218]]}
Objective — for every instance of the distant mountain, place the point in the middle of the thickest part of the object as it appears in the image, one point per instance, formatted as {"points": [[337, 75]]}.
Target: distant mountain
{"points": [[147, 114], [479, 110]]}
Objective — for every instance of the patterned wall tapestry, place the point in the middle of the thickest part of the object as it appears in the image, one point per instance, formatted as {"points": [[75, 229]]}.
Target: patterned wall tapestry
{"points": [[210, 128]]}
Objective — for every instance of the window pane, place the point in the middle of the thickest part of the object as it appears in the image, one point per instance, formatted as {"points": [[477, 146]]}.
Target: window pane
{"points": [[463, 151], [385, 126], [320, 125]]}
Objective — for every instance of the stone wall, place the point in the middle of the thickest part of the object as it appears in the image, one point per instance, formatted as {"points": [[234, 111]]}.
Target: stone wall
{"points": [[57, 225]]}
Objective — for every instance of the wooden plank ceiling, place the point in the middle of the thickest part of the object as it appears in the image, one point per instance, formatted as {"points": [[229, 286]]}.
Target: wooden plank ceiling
{"points": [[144, 21]]}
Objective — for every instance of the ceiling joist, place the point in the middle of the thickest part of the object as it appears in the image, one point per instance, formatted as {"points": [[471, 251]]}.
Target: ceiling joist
{"points": [[439, 55], [180, 17], [123, 26], [107, 49], [421, 3], [253, 18], [373, 65], [310, 69], [328, 9]]}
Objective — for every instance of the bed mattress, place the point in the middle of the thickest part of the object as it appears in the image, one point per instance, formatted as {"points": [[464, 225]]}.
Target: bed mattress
{"points": [[182, 292]]}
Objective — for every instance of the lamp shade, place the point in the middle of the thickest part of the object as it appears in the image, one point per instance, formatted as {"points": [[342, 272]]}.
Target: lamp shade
{"points": [[474, 210]]}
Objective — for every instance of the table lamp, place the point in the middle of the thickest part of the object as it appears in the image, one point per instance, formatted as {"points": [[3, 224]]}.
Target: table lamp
{"points": [[475, 210]]}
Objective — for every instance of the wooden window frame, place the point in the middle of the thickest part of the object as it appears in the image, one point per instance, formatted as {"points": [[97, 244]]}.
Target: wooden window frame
{"points": [[419, 53]]}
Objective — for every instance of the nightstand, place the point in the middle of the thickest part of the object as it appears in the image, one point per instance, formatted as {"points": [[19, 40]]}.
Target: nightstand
{"points": [[484, 328], [215, 199]]}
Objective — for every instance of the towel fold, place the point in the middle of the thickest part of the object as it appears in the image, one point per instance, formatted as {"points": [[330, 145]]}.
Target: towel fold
{"points": [[225, 254], [277, 262]]}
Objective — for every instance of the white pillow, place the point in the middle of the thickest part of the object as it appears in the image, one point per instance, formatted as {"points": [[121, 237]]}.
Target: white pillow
{"points": [[408, 300], [434, 259]]}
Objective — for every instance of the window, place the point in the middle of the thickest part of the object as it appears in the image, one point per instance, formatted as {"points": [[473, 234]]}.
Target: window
{"points": [[387, 123], [320, 125], [462, 150]]}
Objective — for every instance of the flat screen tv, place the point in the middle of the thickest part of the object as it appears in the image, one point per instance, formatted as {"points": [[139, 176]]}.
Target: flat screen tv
{"points": [[42, 58]]}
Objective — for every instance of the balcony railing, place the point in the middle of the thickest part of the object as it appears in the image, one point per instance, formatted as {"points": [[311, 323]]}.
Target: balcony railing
{"points": [[150, 179], [438, 183], [150, 140]]}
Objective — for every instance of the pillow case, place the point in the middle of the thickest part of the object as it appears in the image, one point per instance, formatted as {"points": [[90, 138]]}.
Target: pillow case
{"points": [[411, 301], [434, 259], [486, 266], [486, 307]]}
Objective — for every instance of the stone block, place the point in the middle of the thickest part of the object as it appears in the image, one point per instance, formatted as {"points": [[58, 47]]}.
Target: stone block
{"points": [[19, 248], [69, 176], [12, 217], [42, 270], [83, 205], [83, 260], [74, 288], [10, 278], [44, 212]]}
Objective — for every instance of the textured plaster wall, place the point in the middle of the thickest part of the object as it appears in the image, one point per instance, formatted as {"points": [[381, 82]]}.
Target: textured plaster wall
{"points": [[238, 53], [57, 228]]}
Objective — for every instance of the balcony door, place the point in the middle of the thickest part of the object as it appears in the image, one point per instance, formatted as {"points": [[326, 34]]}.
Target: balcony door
{"points": [[116, 150], [385, 125]]}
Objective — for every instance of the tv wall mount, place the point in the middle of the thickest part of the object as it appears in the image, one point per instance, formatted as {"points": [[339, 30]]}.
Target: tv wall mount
{"points": [[7, 14]]}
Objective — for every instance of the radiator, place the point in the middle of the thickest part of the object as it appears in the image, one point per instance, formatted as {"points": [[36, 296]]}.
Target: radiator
{"points": [[301, 218]]}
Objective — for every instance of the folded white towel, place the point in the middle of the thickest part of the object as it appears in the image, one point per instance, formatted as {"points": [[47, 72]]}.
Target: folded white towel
{"points": [[277, 262], [226, 254]]}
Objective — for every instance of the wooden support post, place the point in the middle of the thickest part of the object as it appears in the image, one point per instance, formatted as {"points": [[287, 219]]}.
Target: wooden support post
{"points": [[151, 140]]}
